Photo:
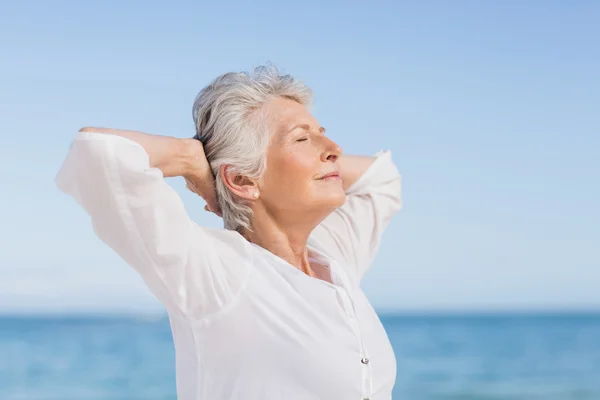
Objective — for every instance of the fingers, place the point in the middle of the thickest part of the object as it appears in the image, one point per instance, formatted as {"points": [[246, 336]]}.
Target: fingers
{"points": [[191, 187], [212, 205]]}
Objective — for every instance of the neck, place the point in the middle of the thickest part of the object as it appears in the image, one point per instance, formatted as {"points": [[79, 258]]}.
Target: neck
{"points": [[286, 240]]}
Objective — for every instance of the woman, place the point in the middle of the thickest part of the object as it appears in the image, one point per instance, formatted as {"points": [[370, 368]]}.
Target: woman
{"points": [[270, 307]]}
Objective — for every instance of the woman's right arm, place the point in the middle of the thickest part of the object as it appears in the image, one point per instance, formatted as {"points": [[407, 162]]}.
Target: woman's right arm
{"points": [[171, 155], [117, 177]]}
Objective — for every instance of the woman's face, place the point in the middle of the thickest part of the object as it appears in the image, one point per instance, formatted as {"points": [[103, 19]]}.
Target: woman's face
{"points": [[302, 175]]}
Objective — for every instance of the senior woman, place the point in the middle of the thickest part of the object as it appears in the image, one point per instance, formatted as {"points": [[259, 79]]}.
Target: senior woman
{"points": [[270, 307]]}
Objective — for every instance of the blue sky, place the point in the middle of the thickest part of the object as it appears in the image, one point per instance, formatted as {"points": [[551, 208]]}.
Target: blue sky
{"points": [[491, 110]]}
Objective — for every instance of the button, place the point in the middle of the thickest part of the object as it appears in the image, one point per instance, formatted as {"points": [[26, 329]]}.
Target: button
{"points": [[364, 360]]}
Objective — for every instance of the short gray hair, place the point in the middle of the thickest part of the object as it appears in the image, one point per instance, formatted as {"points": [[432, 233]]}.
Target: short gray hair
{"points": [[230, 122]]}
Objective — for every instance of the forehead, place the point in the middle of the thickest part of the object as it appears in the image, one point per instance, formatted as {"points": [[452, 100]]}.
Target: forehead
{"points": [[286, 114]]}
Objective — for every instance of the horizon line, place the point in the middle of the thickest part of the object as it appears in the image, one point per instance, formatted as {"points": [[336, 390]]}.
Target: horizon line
{"points": [[382, 313]]}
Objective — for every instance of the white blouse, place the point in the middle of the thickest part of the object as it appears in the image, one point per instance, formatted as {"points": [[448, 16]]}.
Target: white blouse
{"points": [[246, 324]]}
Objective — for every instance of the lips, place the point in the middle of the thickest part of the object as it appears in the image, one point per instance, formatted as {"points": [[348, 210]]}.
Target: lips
{"points": [[331, 175]]}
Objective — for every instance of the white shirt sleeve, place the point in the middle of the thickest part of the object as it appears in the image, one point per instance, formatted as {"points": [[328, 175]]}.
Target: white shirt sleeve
{"points": [[352, 233], [193, 271]]}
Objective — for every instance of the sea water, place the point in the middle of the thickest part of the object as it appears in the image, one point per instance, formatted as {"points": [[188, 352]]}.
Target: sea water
{"points": [[449, 357]]}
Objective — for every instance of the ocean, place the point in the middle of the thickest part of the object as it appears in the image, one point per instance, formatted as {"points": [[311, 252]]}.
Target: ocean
{"points": [[445, 357]]}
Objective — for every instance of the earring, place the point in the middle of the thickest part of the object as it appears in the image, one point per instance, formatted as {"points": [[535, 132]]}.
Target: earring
{"points": [[255, 194]]}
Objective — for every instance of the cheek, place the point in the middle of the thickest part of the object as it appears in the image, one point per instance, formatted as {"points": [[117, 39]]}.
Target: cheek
{"points": [[290, 173], [298, 166]]}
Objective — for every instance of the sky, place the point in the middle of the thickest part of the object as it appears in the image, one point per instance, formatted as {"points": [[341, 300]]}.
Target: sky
{"points": [[491, 110]]}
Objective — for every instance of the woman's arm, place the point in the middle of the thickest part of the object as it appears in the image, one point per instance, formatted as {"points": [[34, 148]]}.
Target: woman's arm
{"points": [[174, 157], [352, 233], [117, 177], [353, 167]]}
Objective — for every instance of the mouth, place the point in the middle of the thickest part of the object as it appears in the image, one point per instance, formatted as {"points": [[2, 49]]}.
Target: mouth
{"points": [[332, 176]]}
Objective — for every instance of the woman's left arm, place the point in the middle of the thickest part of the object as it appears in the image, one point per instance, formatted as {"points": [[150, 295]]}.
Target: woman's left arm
{"points": [[353, 167], [352, 233]]}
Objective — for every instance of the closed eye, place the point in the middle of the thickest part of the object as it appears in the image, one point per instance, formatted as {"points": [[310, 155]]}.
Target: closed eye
{"points": [[303, 139]]}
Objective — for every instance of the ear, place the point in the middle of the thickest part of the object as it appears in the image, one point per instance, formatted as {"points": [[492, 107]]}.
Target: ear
{"points": [[239, 185]]}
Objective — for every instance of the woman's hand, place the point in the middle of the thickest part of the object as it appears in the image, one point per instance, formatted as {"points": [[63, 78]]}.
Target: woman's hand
{"points": [[198, 175]]}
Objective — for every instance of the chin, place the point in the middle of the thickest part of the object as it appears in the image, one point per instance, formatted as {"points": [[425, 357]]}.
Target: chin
{"points": [[333, 200]]}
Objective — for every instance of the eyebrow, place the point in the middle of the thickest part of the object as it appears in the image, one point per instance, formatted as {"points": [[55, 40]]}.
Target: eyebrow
{"points": [[306, 127]]}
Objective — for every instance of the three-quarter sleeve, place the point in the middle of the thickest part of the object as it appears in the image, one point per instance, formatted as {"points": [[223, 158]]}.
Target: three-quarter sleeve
{"points": [[352, 233], [135, 212]]}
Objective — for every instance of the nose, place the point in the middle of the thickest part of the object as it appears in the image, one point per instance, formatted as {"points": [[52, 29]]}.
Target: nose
{"points": [[332, 151]]}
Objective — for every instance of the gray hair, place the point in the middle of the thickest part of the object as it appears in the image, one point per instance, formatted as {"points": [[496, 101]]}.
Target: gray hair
{"points": [[234, 129]]}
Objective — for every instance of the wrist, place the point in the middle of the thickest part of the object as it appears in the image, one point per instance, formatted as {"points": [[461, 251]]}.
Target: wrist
{"points": [[191, 157], [172, 156]]}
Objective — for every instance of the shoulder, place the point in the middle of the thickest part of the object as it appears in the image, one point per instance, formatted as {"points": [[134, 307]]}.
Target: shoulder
{"points": [[225, 244]]}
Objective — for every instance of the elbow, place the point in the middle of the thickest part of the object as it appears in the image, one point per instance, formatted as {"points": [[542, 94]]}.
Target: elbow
{"points": [[93, 129], [395, 194]]}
